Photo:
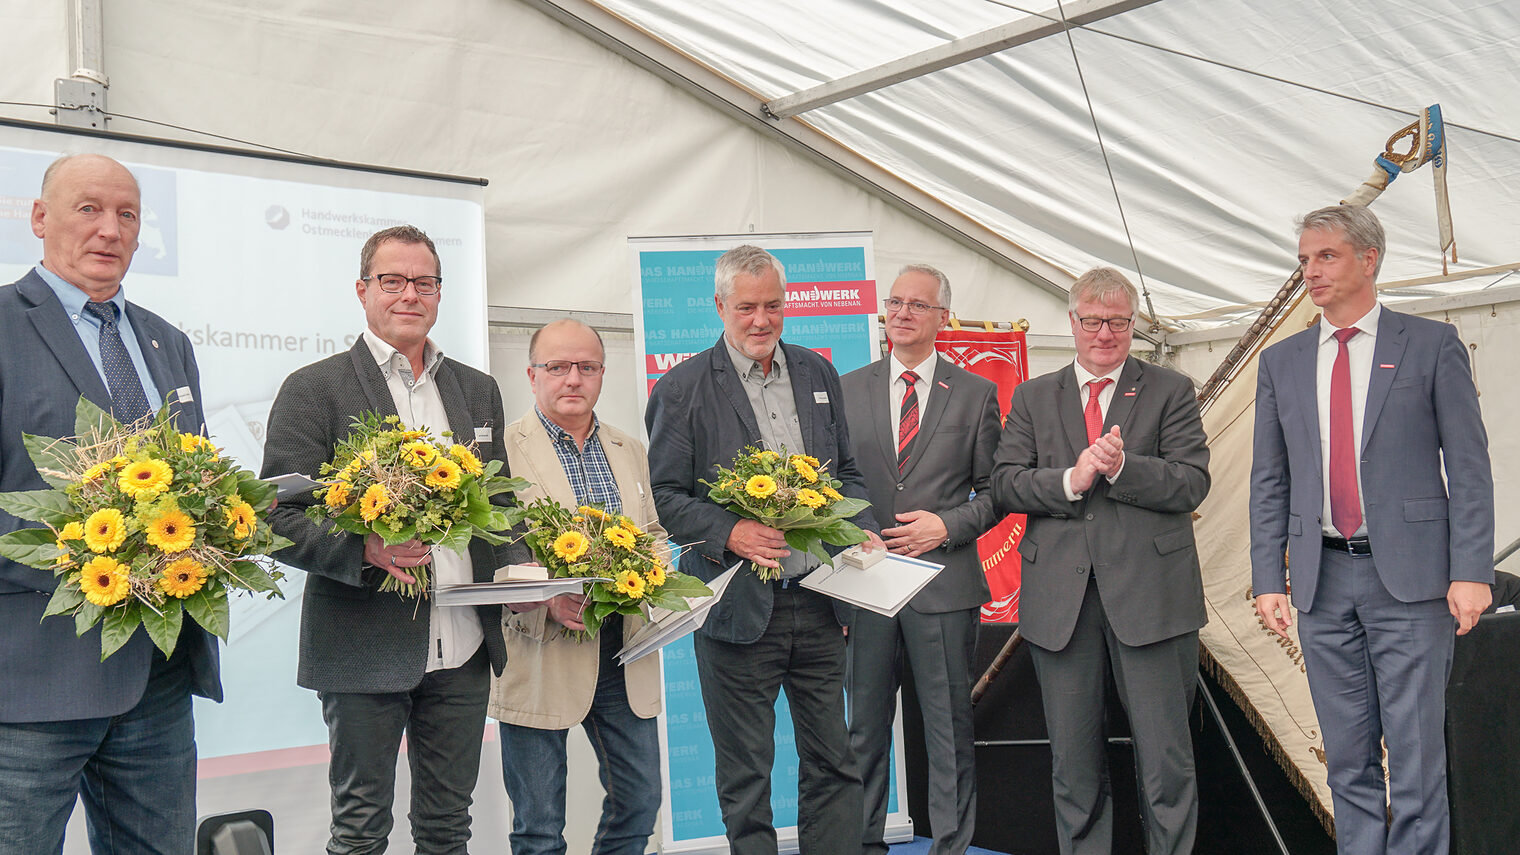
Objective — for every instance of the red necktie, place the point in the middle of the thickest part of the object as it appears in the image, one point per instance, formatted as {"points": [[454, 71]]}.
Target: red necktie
{"points": [[1345, 505], [907, 423], [1093, 414]]}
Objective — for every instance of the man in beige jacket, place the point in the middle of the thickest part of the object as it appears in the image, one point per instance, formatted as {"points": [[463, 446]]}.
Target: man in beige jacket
{"points": [[552, 681]]}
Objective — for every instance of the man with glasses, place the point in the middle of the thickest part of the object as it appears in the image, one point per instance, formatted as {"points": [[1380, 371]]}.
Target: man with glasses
{"points": [[924, 431], [1108, 458], [553, 680], [751, 389], [383, 664]]}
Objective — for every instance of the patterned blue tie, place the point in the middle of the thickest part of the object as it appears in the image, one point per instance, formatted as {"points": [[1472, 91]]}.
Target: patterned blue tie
{"points": [[128, 403]]}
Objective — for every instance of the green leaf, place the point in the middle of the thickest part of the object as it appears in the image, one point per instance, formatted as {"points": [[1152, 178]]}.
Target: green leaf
{"points": [[256, 492], [278, 542], [88, 615], [208, 608], [66, 598], [117, 626], [44, 506], [88, 417], [50, 456], [255, 577], [683, 585], [842, 533], [164, 628], [34, 547]]}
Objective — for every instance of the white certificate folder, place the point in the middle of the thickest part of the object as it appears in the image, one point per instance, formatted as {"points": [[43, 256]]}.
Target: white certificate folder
{"points": [[884, 588], [525, 591], [666, 626]]}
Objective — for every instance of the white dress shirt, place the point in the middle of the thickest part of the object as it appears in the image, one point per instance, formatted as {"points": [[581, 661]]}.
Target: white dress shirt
{"points": [[1085, 379], [456, 632], [1359, 353], [925, 372]]}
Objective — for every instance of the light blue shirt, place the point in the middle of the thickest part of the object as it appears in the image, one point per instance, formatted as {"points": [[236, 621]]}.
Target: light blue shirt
{"points": [[88, 328]]}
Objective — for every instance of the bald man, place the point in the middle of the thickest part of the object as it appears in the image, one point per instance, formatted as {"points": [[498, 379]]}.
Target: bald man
{"points": [[117, 733]]}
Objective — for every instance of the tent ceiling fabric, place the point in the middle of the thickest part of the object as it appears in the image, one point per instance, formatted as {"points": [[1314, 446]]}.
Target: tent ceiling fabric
{"points": [[1211, 164]]}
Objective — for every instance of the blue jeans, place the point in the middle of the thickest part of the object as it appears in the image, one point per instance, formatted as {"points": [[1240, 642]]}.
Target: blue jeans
{"points": [[135, 773], [628, 761]]}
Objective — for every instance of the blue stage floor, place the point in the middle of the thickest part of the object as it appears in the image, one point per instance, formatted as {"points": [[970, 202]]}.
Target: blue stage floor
{"points": [[920, 846]]}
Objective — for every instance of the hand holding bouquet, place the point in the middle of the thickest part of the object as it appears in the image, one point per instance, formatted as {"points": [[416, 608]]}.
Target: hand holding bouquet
{"points": [[144, 524], [404, 485], [591, 542], [792, 493]]}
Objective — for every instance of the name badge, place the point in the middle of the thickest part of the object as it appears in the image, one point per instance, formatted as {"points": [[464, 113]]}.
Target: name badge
{"points": [[184, 394], [482, 435], [820, 397]]}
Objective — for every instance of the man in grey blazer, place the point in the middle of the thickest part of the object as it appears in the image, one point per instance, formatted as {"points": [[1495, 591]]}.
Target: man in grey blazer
{"points": [[119, 734], [749, 389], [1108, 458], [926, 455], [1357, 418], [383, 664]]}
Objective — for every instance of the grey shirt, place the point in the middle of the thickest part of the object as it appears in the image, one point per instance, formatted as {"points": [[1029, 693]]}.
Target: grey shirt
{"points": [[770, 396]]}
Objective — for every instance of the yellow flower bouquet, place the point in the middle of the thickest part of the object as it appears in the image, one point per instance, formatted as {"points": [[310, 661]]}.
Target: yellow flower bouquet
{"points": [[406, 485], [590, 542], [143, 525], [793, 493]]}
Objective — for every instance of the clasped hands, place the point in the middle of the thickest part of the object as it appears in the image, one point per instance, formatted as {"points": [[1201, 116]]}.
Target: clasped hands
{"points": [[1104, 457], [766, 546], [413, 553]]}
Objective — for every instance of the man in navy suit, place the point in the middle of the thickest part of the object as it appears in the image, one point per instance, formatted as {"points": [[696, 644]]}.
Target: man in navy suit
{"points": [[117, 733], [1356, 419]]}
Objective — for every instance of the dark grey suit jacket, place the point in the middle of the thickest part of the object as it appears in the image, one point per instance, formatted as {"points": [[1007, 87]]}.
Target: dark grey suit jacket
{"points": [[698, 419], [952, 456], [46, 673], [1422, 412], [1135, 535], [354, 638]]}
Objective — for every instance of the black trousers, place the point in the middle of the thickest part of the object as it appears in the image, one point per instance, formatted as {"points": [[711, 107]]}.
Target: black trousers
{"points": [[803, 652]]}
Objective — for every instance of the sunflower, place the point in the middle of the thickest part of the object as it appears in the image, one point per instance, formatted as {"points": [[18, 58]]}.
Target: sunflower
{"points": [[628, 524], [183, 577], [374, 503], [656, 575], [621, 538], [833, 494], [103, 581], [95, 473], [419, 454], [338, 495], [631, 584], [808, 473], [760, 486], [444, 474], [173, 531], [571, 545], [240, 517], [105, 530], [145, 478], [811, 498], [467, 459]]}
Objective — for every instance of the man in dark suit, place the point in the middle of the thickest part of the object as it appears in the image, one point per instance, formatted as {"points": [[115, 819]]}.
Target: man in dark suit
{"points": [[924, 431], [1356, 419], [752, 389], [1108, 458], [383, 664], [117, 733]]}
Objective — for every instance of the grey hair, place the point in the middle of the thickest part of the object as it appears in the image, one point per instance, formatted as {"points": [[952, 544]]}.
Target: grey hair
{"points": [[928, 270], [748, 259], [1359, 225], [1100, 285], [50, 174], [533, 342], [400, 234]]}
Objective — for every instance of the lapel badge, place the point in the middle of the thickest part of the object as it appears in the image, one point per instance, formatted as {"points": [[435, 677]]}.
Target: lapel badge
{"points": [[1386, 365], [155, 343], [942, 384], [1130, 393]]}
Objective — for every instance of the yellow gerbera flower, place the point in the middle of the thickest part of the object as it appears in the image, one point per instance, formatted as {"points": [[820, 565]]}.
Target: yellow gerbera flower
{"points": [[419, 454], [810, 498], [413, 434], [571, 545], [631, 584], [105, 530], [145, 478], [811, 460], [656, 575], [242, 520], [70, 531], [95, 473], [348, 472], [183, 577], [189, 443], [621, 538], [595, 513], [832, 493], [174, 531], [467, 459], [760, 486], [338, 495], [376, 500], [807, 472], [103, 581], [444, 474], [768, 456], [629, 524]]}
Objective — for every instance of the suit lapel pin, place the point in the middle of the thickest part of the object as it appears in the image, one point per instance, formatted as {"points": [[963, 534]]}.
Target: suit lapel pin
{"points": [[155, 343], [1385, 365], [1131, 392], [942, 384]]}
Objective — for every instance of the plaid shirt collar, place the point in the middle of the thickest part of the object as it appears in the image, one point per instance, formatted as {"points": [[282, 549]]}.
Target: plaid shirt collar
{"points": [[586, 468]]}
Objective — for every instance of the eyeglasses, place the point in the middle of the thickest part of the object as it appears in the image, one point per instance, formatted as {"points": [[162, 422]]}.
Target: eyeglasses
{"points": [[914, 308], [395, 283], [1118, 325], [560, 367]]}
